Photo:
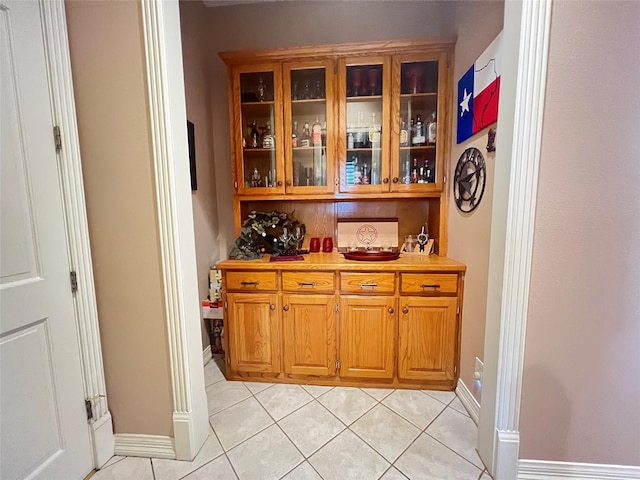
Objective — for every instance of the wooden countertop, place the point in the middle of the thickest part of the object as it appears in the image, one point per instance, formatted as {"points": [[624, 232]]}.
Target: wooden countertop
{"points": [[336, 261]]}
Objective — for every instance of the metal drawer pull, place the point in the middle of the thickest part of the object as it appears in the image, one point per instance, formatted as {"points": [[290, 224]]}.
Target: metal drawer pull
{"points": [[372, 285], [285, 308], [246, 284], [430, 286], [272, 306], [306, 284], [391, 310], [405, 310]]}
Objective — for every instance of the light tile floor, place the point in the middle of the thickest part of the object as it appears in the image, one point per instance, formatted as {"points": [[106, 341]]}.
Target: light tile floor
{"points": [[262, 431]]}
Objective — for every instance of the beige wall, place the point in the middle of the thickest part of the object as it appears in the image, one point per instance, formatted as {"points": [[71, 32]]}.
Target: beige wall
{"points": [[284, 24], [470, 233], [581, 390], [197, 87], [107, 60]]}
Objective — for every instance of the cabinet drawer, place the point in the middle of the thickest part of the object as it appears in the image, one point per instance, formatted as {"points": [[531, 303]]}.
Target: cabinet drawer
{"points": [[429, 283], [367, 282], [251, 281], [308, 281]]}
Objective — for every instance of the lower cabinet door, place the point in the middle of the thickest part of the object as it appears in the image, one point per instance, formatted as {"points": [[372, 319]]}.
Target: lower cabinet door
{"points": [[254, 332], [427, 338], [367, 336], [309, 334]]}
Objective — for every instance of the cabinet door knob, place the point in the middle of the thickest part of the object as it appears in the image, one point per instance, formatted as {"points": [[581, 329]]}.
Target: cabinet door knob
{"points": [[391, 310], [272, 306], [279, 183], [288, 183], [385, 180], [285, 308], [396, 179], [405, 310]]}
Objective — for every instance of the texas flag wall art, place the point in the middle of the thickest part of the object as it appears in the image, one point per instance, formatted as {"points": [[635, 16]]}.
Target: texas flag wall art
{"points": [[478, 92]]}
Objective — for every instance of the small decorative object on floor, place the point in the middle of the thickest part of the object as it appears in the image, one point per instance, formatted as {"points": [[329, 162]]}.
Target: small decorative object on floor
{"points": [[268, 232]]}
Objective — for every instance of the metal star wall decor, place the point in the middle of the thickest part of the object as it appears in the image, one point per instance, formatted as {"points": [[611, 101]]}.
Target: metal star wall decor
{"points": [[469, 180]]}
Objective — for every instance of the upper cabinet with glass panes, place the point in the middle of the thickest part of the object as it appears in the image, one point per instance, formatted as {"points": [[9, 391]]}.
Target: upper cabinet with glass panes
{"points": [[328, 122]]}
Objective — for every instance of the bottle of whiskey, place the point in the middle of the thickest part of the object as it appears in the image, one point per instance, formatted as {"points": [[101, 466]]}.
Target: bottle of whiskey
{"points": [[255, 135], [267, 137], [305, 138], [365, 174], [432, 130], [414, 172], [419, 138], [428, 172], [404, 135]]}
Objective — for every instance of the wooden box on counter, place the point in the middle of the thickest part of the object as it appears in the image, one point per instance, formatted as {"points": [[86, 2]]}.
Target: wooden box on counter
{"points": [[329, 321]]}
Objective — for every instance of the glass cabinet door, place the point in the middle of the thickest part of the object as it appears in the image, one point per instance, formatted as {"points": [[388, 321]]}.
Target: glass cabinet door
{"points": [[415, 165], [364, 89], [259, 162], [309, 127]]}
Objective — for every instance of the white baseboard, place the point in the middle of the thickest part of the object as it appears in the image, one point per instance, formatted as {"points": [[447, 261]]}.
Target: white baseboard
{"points": [[207, 355], [135, 445], [544, 470], [102, 440], [468, 400]]}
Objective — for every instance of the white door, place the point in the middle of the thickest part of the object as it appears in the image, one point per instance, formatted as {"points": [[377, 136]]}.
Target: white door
{"points": [[43, 427]]}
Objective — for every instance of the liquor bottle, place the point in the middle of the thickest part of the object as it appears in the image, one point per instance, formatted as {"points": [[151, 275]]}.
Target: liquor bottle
{"points": [[305, 138], [414, 172], [267, 137], [365, 174], [357, 172], [323, 167], [316, 133], [255, 135], [294, 135], [428, 172], [262, 90], [432, 129], [412, 132], [419, 138], [350, 141], [404, 135], [422, 177]]}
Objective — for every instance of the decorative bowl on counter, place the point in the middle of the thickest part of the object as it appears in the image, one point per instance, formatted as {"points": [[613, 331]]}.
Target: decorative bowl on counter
{"points": [[371, 255]]}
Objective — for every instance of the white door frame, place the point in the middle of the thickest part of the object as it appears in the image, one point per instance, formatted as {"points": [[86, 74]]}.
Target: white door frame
{"points": [[70, 171], [168, 121], [525, 41]]}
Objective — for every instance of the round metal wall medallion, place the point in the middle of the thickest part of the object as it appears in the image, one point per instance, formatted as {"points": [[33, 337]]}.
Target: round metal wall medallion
{"points": [[469, 180]]}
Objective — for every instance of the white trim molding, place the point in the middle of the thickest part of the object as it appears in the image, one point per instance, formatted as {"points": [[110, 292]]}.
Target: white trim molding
{"points": [[70, 168], [468, 400], [546, 470], [206, 355], [535, 21], [134, 445], [165, 83]]}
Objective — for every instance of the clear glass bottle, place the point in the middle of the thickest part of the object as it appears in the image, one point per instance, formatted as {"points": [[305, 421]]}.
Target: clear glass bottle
{"points": [[432, 130], [404, 135], [294, 135]]}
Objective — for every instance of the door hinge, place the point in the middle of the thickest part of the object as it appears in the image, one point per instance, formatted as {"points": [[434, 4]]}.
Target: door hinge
{"points": [[337, 364], [445, 179], [73, 278], [89, 407], [337, 307], [335, 181], [226, 305], [458, 309], [57, 138], [235, 185], [455, 369]]}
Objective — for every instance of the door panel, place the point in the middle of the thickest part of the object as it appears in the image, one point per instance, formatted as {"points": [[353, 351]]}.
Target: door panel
{"points": [[254, 332], [367, 336], [309, 334], [44, 431], [427, 338]]}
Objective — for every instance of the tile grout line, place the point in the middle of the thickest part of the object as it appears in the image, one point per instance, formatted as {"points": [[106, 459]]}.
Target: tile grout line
{"points": [[457, 453]]}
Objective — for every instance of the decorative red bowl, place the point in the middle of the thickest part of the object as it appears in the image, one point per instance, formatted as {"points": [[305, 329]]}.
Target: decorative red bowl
{"points": [[371, 256]]}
